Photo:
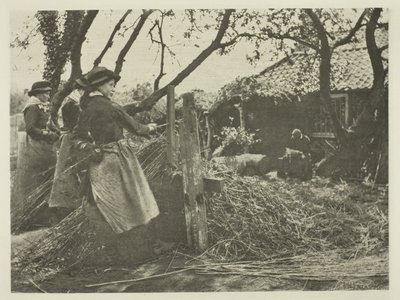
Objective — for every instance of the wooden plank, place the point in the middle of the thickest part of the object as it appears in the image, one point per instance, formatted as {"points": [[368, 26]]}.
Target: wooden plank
{"points": [[213, 185], [241, 114], [171, 140], [209, 134], [347, 111], [203, 140], [239, 106], [195, 208], [14, 134], [322, 135]]}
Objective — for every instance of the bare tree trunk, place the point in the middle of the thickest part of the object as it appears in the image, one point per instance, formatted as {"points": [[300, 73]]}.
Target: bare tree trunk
{"points": [[368, 126], [148, 103], [76, 69], [132, 38], [58, 44], [325, 76], [162, 45], [357, 148], [365, 119], [110, 40]]}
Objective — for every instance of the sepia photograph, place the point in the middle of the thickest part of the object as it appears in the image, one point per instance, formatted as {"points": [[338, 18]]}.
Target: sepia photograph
{"points": [[199, 150]]}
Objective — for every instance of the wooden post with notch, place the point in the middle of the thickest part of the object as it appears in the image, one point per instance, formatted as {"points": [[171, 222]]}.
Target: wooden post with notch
{"points": [[239, 105], [195, 207], [171, 140], [207, 153]]}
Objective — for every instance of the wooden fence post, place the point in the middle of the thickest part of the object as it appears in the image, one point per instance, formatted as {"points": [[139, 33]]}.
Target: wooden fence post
{"points": [[242, 122], [195, 208], [171, 140], [208, 143], [240, 108]]}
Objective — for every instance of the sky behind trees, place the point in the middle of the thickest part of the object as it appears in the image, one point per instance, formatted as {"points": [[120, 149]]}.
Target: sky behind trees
{"points": [[142, 63]]}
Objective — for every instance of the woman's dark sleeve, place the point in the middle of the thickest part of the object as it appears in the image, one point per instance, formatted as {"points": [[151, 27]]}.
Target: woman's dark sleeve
{"points": [[307, 146], [81, 130], [32, 119], [70, 113], [82, 142], [129, 123]]}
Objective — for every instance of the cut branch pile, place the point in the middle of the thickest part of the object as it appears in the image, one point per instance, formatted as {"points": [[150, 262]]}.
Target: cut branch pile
{"points": [[254, 218]]}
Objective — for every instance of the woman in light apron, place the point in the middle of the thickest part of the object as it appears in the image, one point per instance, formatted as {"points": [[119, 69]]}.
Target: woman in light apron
{"points": [[116, 182]]}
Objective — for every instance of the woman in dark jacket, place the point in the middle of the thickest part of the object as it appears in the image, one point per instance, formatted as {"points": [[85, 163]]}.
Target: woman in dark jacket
{"points": [[36, 155], [117, 185], [36, 113]]}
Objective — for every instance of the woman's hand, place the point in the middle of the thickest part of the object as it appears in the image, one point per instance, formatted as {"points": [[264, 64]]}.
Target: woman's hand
{"points": [[97, 154], [50, 136], [152, 127], [94, 151]]}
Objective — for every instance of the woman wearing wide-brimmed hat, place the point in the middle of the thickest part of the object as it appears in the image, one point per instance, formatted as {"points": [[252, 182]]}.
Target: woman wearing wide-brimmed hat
{"points": [[36, 154], [117, 185], [36, 113]]}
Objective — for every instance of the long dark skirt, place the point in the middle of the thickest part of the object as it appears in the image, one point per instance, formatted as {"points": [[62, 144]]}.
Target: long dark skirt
{"points": [[35, 165]]}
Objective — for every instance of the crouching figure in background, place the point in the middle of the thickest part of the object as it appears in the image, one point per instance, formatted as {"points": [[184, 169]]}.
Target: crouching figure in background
{"points": [[297, 159]]}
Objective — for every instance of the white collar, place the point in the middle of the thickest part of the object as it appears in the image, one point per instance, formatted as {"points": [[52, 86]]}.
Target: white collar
{"points": [[96, 93], [35, 101], [75, 96]]}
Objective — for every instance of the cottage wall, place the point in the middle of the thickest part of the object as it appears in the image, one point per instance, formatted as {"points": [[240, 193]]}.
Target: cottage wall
{"points": [[271, 123], [272, 120]]}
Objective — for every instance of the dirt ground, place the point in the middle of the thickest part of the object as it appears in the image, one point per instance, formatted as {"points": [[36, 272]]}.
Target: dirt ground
{"points": [[75, 281]]}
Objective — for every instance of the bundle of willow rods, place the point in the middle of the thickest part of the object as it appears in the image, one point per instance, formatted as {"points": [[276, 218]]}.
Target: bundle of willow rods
{"points": [[152, 156], [66, 244], [317, 266], [72, 240], [23, 215]]}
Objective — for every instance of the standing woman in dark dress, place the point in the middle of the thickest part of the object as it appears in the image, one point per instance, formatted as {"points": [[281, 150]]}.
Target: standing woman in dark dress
{"points": [[116, 182], [36, 155]]}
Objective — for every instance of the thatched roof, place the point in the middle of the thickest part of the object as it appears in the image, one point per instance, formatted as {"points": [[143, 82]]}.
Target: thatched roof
{"points": [[203, 102], [298, 74]]}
